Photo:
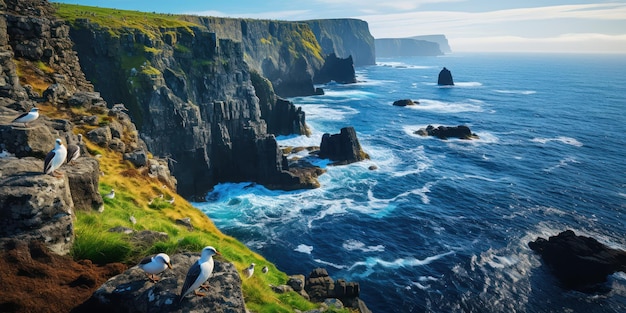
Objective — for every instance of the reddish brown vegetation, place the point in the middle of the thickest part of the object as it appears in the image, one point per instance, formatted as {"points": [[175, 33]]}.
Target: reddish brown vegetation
{"points": [[35, 280]]}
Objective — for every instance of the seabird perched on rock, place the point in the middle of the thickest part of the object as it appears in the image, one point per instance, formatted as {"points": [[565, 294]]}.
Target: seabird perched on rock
{"points": [[154, 265], [55, 158], [73, 151], [249, 270], [111, 194], [27, 117], [199, 272]]}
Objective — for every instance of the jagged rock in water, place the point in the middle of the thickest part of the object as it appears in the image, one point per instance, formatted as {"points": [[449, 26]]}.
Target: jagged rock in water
{"points": [[404, 102], [579, 261], [83, 176], [336, 69], [343, 148], [131, 291], [445, 78], [445, 132], [35, 206]]}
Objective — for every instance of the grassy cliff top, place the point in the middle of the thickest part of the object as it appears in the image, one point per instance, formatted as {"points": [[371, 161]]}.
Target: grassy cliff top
{"points": [[119, 20]]}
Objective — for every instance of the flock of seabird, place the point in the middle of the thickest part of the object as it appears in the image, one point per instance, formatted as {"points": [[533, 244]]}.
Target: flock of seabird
{"points": [[197, 275]]}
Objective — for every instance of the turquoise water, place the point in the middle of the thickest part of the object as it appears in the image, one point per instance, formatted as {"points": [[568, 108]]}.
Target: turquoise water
{"points": [[443, 226]]}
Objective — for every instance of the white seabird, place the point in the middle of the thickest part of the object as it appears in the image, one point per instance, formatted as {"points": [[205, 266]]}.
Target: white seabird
{"points": [[132, 219], [154, 265], [199, 272], [55, 158], [111, 194], [73, 151], [27, 117], [249, 270]]}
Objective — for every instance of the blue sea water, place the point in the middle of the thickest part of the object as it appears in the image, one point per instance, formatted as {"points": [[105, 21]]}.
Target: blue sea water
{"points": [[443, 225]]}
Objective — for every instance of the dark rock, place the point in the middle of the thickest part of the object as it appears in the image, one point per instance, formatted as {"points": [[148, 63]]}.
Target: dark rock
{"points": [[131, 291], [55, 93], [296, 282], [147, 238], [579, 261], [83, 176], [405, 102], [336, 69], [36, 140], [139, 158], [320, 287], [343, 148], [117, 144], [445, 132], [100, 136], [445, 78], [35, 206], [345, 37]]}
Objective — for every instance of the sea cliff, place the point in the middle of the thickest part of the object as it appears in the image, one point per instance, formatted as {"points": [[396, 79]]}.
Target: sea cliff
{"points": [[181, 84]]}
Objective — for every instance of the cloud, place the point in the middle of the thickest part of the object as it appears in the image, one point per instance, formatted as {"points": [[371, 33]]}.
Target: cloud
{"points": [[378, 5]]}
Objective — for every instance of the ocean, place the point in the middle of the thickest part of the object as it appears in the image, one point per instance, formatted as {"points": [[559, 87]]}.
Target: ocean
{"points": [[444, 225]]}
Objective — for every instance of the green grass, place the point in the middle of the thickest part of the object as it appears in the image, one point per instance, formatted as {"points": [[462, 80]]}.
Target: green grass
{"points": [[117, 21]]}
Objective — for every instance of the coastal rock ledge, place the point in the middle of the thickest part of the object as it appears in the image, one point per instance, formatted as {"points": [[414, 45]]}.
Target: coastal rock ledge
{"points": [[578, 261]]}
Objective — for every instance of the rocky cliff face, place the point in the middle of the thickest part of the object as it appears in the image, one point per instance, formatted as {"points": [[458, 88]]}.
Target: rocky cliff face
{"points": [[391, 47], [196, 99], [345, 38], [441, 40]]}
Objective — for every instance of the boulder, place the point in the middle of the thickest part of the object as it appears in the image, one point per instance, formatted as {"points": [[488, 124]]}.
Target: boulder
{"points": [[83, 176], [131, 291], [36, 140], [445, 78], [35, 206], [343, 148], [139, 158], [405, 102], [100, 136], [445, 132], [578, 261]]}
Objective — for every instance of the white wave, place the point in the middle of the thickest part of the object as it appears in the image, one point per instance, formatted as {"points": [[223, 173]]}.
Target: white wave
{"points": [[562, 163], [468, 84], [355, 245], [621, 194], [518, 92], [302, 248], [398, 263], [402, 65], [470, 105], [420, 286], [337, 266], [562, 139]]}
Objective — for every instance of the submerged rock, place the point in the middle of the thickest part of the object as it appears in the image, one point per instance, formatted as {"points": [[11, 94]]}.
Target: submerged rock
{"points": [[445, 132], [405, 102], [579, 261]]}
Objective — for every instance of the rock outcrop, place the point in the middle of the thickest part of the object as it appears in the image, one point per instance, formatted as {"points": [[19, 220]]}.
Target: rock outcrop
{"points": [[131, 291], [336, 69], [579, 261], [342, 148], [397, 47], [445, 78], [34, 206], [320, 287]]}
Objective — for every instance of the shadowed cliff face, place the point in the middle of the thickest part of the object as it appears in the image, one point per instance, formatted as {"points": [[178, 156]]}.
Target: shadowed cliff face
{"points": [[345, 38]]}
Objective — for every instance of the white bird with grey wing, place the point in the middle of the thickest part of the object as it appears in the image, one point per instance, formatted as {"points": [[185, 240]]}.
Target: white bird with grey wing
{"points": [[27, 117], [249, 271], [55, 158], [199, 272], [155, 265]]}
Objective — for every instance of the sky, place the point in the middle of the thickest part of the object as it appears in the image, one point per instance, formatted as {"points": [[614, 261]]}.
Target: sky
{"points": [[470, 25]]}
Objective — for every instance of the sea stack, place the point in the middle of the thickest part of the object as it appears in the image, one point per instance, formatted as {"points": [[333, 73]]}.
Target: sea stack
{"points": [[445, 78]]}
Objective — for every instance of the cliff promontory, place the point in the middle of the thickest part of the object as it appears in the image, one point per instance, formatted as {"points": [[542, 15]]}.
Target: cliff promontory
{"points": [[394, 47]]}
